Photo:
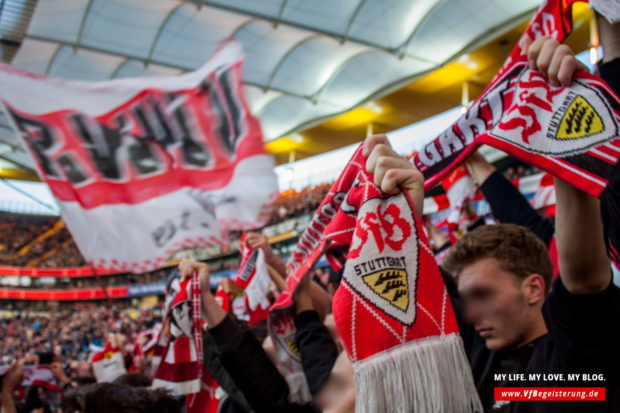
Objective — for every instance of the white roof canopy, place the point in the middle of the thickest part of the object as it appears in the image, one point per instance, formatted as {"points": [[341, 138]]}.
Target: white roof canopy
{"points": [[307, 60]]}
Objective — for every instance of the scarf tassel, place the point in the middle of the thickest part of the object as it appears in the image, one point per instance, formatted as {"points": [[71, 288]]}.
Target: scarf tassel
{"points": [[426, 375], [299, 391]]}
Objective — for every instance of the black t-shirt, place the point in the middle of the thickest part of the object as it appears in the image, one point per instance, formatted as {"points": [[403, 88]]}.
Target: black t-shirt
{"points": [[583, 338]]}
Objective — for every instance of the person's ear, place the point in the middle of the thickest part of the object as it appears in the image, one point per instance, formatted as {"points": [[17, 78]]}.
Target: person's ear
{"points": [[534, 288]]}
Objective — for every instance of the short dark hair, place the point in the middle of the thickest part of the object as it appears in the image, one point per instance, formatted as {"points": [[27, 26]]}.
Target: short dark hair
{"points": [[516, 248], [114, 398], [133, 379]]}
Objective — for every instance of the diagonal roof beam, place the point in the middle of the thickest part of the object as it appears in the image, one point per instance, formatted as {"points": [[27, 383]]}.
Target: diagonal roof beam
{"points": [[78, 39], [19, 164], [337, 70], [50, 62], [259, 111], [160, 29], [14, 146], [285, 56], [416, 28], [279, 19], [119, 67], [242, 25], [356, 13], [334, 35]]}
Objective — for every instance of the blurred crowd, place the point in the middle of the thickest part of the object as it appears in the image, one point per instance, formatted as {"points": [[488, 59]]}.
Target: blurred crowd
{"points": [[70, 330], [291, 204]]}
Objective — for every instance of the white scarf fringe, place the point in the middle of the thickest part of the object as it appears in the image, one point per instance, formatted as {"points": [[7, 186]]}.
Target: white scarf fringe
{"points": [[423, 376]]}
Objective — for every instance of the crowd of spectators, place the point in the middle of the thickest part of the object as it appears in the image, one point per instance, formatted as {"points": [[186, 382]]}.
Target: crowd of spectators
{"points": [[17, 230], [22, 243], [514, 314], [70, 329], [291, 204]]}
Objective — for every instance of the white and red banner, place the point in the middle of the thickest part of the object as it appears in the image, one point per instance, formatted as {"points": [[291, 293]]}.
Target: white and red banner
{"points": [[143, 167], [108, 364], [537, 188], [178, 354], [179, 367], [254, 280], [38, 376]]}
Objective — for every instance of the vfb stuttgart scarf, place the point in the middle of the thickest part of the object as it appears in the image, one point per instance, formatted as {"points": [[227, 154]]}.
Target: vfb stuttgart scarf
{"points": [[254, 280], [570, 132], [178, 352], [180, 343], [392, 309]]}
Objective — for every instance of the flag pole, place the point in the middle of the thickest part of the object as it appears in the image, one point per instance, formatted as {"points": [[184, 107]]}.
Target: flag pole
{"points": [[105, 292]]}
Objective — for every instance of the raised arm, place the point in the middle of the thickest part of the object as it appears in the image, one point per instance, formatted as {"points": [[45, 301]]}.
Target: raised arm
{"points": [[256, 240], [584, 265], [507, 203], [392, 171]]}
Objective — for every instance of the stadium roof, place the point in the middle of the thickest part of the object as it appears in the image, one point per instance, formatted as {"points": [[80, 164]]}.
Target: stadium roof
{"points": [[325, 68]]}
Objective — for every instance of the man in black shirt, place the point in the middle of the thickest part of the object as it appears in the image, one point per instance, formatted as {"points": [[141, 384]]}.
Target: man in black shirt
{"points": [[517, 330], [511, 324]]}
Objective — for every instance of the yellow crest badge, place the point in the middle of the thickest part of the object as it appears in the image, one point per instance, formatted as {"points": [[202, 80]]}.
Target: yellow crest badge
{"points": [[382, 261], [292, 346], [392, 285], [579, 121]]}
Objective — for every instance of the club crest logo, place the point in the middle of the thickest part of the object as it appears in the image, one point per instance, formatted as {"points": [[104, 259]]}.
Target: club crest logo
{"points": [[579, 121], [291, 344], [283, 333], [556, 121], [382, 262], [390, 284]]}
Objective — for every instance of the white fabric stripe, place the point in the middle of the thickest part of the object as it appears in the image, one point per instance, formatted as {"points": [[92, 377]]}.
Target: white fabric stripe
{"points": [[603, 155], [565, 165], [55, 94], [100, 231]]}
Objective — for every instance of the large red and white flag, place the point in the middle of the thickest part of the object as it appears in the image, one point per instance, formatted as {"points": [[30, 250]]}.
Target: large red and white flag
{"points": [[146, 166]]}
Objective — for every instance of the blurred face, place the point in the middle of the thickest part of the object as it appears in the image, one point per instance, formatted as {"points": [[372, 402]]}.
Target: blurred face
{"points": [[496, 304]]}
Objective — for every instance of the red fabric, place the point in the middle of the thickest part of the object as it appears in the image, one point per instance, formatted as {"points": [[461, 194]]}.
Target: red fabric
{"points": [[381, 232], [458, 173], [179, 346], [222, 298], [553, 253], [204, 401], [248, 270], [570, 132], [136, 355]]}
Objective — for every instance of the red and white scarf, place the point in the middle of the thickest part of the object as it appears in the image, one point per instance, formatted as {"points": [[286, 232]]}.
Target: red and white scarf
{"points": [[392, 309], [180, 343], [570, 132], [254, 280], [40, 376], [460, 188], [178, 352], [138, 359]]}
